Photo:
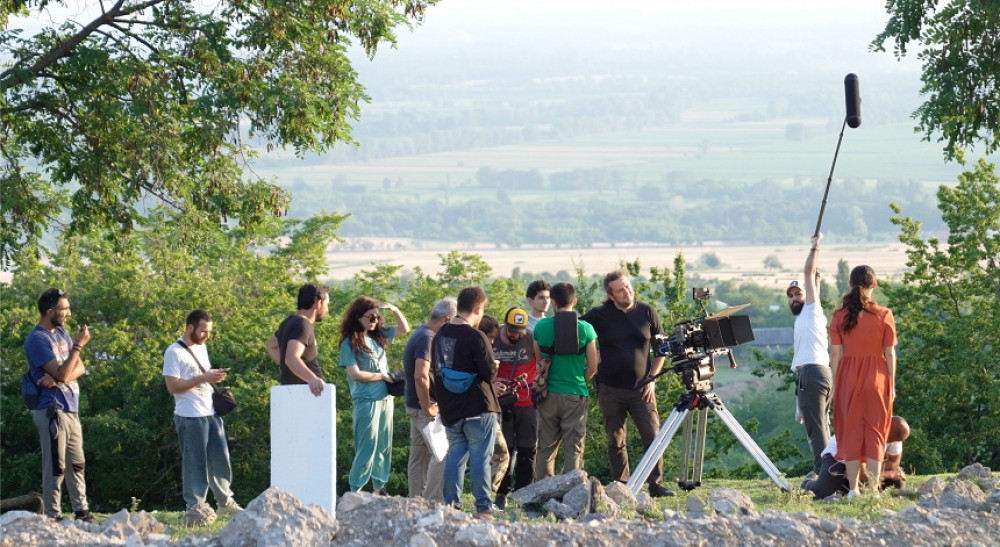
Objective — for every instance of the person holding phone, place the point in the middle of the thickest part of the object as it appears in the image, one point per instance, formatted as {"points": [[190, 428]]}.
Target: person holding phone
{"points": [[201, 434]]}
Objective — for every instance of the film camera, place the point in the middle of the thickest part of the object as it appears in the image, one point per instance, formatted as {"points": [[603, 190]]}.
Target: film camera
{"points": [[695, 344]]}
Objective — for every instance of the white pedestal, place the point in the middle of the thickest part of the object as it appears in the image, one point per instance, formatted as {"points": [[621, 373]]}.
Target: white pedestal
{"points": [[304, 444]]}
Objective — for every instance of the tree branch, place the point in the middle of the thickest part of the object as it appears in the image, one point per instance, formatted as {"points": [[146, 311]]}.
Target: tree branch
{"points": [[14, 76]]}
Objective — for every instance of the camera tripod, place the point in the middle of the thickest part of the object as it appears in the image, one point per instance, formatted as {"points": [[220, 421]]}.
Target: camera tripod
{"points": [[691, 410]]}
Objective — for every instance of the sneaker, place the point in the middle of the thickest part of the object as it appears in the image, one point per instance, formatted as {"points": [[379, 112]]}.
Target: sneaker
{"points": [[501, 502], [381, 492], [658, 491], [230, 509], [84, 516], [851, 494]]}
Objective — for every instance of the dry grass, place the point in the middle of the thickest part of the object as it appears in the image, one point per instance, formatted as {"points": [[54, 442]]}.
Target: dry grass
{"points": [[740, 262]]}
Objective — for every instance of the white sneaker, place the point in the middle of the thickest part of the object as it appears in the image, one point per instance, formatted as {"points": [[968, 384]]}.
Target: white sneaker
{"points": [[851, 494], [230, 509]]}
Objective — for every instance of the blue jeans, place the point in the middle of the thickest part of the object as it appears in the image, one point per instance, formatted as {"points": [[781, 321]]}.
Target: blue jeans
{"points": [[204, 459], [472, 439]]}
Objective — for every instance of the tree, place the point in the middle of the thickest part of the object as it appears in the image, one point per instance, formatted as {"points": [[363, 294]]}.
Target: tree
{"points": [[153, 100], [948, 312], [960, 50], [771, 262]]}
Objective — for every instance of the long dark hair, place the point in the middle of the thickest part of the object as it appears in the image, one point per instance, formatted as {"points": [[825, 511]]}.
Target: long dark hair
{"points": [[855, 301], [351, 329]]}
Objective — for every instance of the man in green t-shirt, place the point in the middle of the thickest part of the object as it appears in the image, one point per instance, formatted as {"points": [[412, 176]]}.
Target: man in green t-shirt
{"points": [[562, 414]]}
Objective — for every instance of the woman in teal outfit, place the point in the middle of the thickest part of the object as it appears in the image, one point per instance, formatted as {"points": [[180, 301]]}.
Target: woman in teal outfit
{"points": [[364, 340]]}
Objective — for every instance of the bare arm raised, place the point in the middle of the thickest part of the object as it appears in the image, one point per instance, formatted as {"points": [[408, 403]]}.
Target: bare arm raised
{"points": [[810, 281]]}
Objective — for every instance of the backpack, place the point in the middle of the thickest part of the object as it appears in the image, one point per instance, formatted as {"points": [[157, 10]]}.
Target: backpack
{"points": [[30, 391]]}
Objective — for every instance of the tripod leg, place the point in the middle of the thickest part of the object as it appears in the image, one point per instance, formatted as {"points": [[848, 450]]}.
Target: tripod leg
{"points": [[693, 449], [748, 443], [684, 466], [655, 450]]}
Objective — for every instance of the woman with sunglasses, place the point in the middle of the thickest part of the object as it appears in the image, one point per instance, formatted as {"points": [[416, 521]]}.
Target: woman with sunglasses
{"points": [[364, 341]]}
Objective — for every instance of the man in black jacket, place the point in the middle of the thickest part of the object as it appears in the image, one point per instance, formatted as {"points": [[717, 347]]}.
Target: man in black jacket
{"points": [[464, 371], [624, 330]]}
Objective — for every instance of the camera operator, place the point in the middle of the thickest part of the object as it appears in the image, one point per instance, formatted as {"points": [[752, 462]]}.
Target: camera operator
{"points": [[624, 330]]}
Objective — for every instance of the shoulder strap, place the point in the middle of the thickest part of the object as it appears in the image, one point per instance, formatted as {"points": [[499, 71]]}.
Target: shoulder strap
{"points": [[193, 356], [202, 367]]}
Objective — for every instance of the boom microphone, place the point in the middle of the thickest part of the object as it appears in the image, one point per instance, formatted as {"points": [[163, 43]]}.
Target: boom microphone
{"points": [[853, 97]]}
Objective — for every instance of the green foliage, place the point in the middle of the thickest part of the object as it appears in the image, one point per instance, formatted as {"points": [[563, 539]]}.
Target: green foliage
{"points": [[153, 99], [948, 380], [958, 46], [135, 305]]}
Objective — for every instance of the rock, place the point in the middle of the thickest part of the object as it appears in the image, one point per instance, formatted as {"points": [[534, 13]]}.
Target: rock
{"points": [[728, 501], [422, 539], [934, 486], [974, 472], [352, 500], [479, 535], [695, 507], [277, 518], [829, 525], [579, 499], [550, 487], [962, 495], [622, 496], [560, 509], [644, 503], [200, 515]]}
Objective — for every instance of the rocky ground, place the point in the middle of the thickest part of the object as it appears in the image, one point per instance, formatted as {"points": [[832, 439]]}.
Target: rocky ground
{"points": [[963, 510]]}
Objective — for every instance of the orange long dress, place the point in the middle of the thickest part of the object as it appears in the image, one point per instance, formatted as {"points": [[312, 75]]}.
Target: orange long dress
{"points": [[862, 397]]}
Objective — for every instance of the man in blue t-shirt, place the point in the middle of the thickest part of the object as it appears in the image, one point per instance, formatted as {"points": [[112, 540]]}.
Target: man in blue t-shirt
{"points": [[55, 364], [424, 472]]}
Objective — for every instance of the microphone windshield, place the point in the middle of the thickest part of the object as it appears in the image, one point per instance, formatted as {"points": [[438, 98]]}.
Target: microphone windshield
{"points": [[852, 94]]}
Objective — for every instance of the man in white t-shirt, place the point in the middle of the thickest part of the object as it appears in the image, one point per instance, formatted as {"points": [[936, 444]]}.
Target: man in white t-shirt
{"points": [[832, 478], [202, 435], [811, 358]]}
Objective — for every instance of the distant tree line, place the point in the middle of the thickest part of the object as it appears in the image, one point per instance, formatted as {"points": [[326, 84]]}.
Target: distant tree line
{"points": [[582, 207]]}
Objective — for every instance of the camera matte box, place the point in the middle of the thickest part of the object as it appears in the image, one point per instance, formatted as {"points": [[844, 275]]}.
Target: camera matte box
{"points": [[728, 331]]}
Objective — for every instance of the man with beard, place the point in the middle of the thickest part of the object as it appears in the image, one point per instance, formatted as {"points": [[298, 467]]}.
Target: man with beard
{"points": [[201, 433], [811, 359], [624, 329], [54, 364], [293, 346]]}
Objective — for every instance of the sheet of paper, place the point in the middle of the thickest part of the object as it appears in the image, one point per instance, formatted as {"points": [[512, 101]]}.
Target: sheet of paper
{"points": [[436, 437]]}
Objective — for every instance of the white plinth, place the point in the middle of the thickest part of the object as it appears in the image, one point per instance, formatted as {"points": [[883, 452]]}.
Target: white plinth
{"points": [[304, 444]]}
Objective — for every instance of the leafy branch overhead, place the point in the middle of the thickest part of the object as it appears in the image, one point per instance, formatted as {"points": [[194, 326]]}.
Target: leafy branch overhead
{"points": [[960, 50], [152, 100]]}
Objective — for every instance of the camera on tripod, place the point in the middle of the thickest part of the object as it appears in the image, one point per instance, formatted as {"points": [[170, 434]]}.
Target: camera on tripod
{"points": [[696, 343], [692, 351]]}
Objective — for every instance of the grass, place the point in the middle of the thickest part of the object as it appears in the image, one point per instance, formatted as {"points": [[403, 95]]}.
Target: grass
{"points": [[764, 494]]}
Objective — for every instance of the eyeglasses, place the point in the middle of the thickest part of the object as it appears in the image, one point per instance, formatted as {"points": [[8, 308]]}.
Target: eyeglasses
{"points": [[372, 317]]}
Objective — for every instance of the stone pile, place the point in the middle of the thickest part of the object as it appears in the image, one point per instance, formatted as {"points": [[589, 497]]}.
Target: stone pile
{"points": [[572, 509]]}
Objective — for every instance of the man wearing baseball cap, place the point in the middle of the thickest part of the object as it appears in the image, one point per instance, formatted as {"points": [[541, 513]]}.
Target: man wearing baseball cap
{"points": [[811, 358], [514, 347]]}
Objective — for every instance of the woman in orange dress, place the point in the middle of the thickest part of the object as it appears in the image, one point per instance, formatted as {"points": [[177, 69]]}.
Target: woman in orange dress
{"points": [[863, 359]]}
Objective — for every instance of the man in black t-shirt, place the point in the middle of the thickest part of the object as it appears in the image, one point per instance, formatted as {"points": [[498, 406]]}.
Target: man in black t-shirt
{"points": [[293, 346], [470, 416], [624, 330]]}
